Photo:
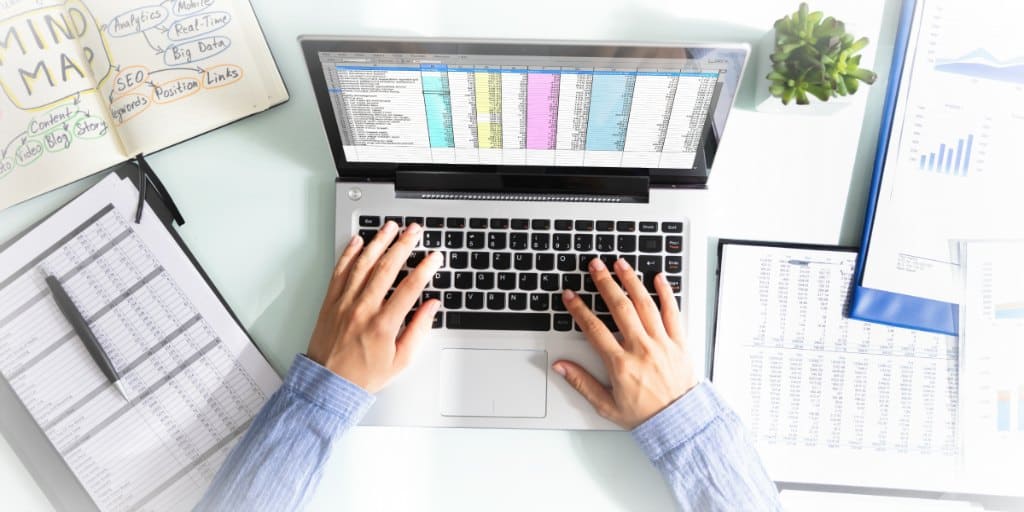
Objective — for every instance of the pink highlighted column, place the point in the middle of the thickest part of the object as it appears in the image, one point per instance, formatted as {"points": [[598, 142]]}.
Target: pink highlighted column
{"points": [[541, 109]]}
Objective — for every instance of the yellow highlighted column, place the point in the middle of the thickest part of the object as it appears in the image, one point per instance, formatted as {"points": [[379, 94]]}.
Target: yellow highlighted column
{"points": [[488, 109]]}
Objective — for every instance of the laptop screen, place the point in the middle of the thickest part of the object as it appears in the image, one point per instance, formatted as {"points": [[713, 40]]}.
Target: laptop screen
{"points": [[527, 104]]}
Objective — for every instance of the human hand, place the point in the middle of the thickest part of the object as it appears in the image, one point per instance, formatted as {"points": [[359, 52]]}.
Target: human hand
{"points": [[650, 368], [359, 334]]}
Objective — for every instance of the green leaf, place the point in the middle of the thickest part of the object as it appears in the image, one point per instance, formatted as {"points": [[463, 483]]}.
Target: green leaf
{"points": [[787, 96], [859, 45], [777, 90], [865, 75], [851, 84], [801, 97], [819, 91], [775, 75]]}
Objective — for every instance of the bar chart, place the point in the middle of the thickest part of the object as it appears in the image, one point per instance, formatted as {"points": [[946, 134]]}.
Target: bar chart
{"points": [[953, 159], [1004, 408]]}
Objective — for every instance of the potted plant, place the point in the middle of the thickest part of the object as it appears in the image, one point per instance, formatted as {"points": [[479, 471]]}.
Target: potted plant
{"points": [[812, 61]]}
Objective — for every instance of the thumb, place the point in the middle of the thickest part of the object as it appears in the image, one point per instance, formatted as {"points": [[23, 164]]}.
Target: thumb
{"points": [[415, 332], [583, 382]]}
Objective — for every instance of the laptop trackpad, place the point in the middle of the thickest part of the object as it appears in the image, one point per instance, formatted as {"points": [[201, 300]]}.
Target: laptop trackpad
{"points": [[499, 383]]}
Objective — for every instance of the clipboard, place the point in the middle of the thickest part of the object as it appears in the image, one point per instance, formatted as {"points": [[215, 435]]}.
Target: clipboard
{"points": [[879, 306], [28, 441]]}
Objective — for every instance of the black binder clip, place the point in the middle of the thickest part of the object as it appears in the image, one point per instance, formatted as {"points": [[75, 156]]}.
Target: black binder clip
{"points": [[148, 177]]}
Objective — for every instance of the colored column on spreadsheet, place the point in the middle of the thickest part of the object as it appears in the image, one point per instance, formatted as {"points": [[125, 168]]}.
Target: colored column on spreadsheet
{"points": [[1020, 409], [542, 109], [1003, 410], [488, 108], [437, 101], [610, 100]]}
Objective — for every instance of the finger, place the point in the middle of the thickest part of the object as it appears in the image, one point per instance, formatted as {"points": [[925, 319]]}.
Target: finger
{"points": [[341, 269], [670, 314], [384, 274], [367, 260], [409, 290], [596, 332], [414, 333], [622, 309], [645, 307], [583, 382]]}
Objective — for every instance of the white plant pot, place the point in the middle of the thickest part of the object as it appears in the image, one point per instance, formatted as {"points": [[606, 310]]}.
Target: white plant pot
{"points": [[765, 102]]}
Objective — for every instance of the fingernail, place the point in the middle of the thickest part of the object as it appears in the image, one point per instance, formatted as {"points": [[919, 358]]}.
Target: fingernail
{"points": [[559, 369], [389, 226], [568, 295], [597, 265], [621, 264], [355, 239], [414, 228], [437, 257]]}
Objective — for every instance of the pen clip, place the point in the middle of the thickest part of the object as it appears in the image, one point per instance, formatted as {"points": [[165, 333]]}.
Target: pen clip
{"points": [[148, 177]]}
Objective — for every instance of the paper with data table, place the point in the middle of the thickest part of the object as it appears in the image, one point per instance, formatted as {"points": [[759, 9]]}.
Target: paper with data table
{"points": [[193, 377], [830, 400]]}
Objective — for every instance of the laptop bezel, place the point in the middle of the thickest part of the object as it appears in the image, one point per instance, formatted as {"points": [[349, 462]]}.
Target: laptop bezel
{"points": [[313, 45]]}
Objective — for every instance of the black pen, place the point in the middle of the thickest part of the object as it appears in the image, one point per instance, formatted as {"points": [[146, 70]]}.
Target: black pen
{"points": [[81, 327]]}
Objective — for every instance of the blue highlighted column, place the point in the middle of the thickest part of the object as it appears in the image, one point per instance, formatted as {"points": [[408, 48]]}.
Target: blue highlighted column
{"points": [[437, 100], [610, 101], [967, 154]]}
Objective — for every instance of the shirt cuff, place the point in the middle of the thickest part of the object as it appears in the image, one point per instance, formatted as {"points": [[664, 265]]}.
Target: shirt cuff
{"points": [[680, 421], [326, 389]]}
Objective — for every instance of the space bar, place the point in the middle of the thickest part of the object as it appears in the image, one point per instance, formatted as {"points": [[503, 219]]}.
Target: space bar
{"points": [[498, 321]]}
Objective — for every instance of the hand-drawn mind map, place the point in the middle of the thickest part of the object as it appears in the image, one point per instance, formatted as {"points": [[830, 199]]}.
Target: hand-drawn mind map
{"points": [[52, 53]]}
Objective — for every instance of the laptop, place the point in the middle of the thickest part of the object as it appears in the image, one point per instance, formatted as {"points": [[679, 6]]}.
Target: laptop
{"points": [[523, 160]]}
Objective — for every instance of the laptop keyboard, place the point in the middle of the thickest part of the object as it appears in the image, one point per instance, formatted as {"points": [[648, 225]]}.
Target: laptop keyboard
{"points": [[508, 274]]}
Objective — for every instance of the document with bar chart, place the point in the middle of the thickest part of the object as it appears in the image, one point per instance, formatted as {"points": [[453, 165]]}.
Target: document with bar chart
{"points": [[992, 368], [953, 167], [522, 110]]}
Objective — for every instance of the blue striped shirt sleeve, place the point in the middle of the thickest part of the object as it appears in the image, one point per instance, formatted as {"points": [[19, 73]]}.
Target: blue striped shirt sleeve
{"points": [[278, 462], [702, 450]]}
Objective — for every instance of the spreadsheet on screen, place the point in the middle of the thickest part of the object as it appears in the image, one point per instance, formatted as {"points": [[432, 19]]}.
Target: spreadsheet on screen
{"points": [[521, 110]]}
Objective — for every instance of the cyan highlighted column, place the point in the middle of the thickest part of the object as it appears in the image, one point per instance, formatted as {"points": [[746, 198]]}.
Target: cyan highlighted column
{"points": [[437, 100], [610, 101]]}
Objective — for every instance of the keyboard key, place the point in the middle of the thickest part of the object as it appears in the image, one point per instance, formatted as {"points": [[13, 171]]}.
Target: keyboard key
{"points": [[540, 224], [556, 302], [573, 282], [498, 321], [495, 300], [588, 283], [563, 323], [369, 221], [453, 239], [430, 294], [631, 259], [583, 242], [414, 220], [609, 322], [566, 262], [474, 300], [674, 244], [367, 235], [455, 222], [453, 300], [673, 264], [458, 259], [517, 301], [584, 225], [432, 239], [442, 280], [477, 223], [605, 243], [464, 280], [545, 261], [401, 275], [501, 260], [394, 218], [522, 261], [599, 305], [608, 260], [476, 240], [627, 243], [438, 321], [539, 301], [435, 222], [540, 241], [520, 224], [507, 281], [676, 282], [528, 281], [648, 227], [519, 241], [562, 242], [563, 225], [649, 265], [496, 241], [480, 260], [672, 227], [415, 258], [585, 261], [650, 244], [605, 225], [550, 282], [587, 299], [626, 226], [484, 280], [499, 223]]}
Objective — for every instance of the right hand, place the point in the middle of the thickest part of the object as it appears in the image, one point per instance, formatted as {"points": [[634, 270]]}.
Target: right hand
{"points": [[650, 368]]}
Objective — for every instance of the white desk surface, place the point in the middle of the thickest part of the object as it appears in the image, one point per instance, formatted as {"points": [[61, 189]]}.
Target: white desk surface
{"points": [[258, 197]]}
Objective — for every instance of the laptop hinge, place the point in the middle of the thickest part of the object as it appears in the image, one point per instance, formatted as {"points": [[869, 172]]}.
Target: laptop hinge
{"points": [[602, 188]]}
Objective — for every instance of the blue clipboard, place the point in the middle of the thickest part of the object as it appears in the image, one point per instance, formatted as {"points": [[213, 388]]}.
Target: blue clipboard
{"points": [[880, 306]]}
